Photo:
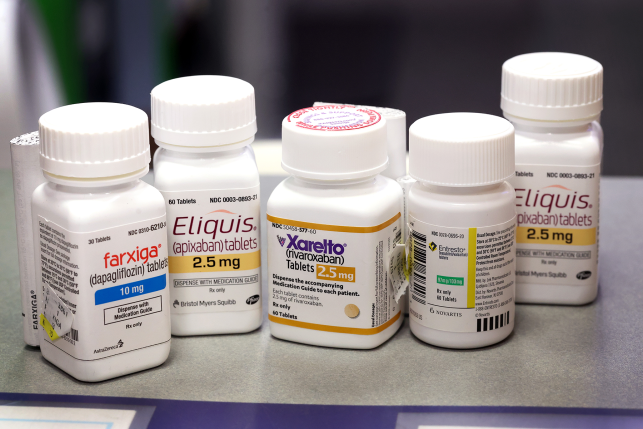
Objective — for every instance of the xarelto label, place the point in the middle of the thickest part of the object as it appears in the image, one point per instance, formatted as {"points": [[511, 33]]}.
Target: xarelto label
{"points": [[557, 235], [397, 270], [215, 261], [114, 282], [463, 279], [332, 278]]}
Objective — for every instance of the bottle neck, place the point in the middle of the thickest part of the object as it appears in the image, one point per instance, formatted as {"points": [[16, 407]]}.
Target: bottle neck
{"points": [[205, 149], [334, 183], [107, 189], [217, 154], [545, 128], [84, 185], [550, 127], [463, 190]]}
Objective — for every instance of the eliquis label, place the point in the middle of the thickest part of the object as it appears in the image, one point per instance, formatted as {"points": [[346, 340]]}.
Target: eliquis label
{"points": [[557, 235], [215, 260]]}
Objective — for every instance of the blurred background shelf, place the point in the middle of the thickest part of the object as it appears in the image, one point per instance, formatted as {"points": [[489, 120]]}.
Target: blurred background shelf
{"points": [[420, 56]]}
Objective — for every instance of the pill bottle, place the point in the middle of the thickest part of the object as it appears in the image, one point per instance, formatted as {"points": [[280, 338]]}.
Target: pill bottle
{"points": [[462, 220], [554, 100], [206, 170], [100, 244], [331, 227]]}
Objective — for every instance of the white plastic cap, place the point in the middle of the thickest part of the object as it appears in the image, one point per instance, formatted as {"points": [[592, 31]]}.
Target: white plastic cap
{"points": [[461, 149], [94, 140], [334, 142], [552, 86], [396, 136], [202, 111]]}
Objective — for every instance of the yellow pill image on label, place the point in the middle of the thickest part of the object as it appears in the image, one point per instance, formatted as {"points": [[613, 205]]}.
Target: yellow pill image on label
{"points": [[351, 311]]}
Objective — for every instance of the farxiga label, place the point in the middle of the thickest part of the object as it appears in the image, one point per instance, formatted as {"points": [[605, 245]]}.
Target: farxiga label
{"points": [[114, 281]]}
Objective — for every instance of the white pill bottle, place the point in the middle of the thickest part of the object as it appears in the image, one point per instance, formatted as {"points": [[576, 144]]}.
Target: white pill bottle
{"points": [[206, 170], [100, 243], [554, 101], [462, 220], [331, 227]]}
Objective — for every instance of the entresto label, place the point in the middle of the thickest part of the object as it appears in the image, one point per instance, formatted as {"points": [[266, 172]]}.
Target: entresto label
{"points": [[215, 262], [557, 234], [114, 281], [331, 278], [463, 279]]}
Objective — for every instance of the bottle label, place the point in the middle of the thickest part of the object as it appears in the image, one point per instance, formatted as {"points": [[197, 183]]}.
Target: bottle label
{"points": [[114, 281], [215, 262], [557, 234], [463, 279], [332, 278]]}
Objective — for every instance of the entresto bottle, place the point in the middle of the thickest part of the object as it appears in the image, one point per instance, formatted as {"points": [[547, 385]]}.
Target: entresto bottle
{"points": [[331, 229], [100, 244], [554, 100], [462, 220], [206, 170]]}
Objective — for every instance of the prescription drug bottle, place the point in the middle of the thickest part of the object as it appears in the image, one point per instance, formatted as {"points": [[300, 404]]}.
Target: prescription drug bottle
{"points": [[554, 101], [206, 171], [462, 220], [331, 228], [100, 244]]}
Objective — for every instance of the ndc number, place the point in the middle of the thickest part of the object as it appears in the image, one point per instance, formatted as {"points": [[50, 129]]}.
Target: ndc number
{"points": [[157, 226], [571, 176], [153, 227], [233, 199], [446, 234], [294, 228]]}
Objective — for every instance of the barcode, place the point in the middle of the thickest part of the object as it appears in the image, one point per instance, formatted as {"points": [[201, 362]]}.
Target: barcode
{"points": [[73, 334], [419, 267], [398, 237], [493, 322]]}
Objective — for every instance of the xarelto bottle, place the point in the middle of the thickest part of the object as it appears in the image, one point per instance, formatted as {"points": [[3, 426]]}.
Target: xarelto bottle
{"points": [[554, 101], [463, 221], [331, 228], [206, 170], [100, 244]]}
